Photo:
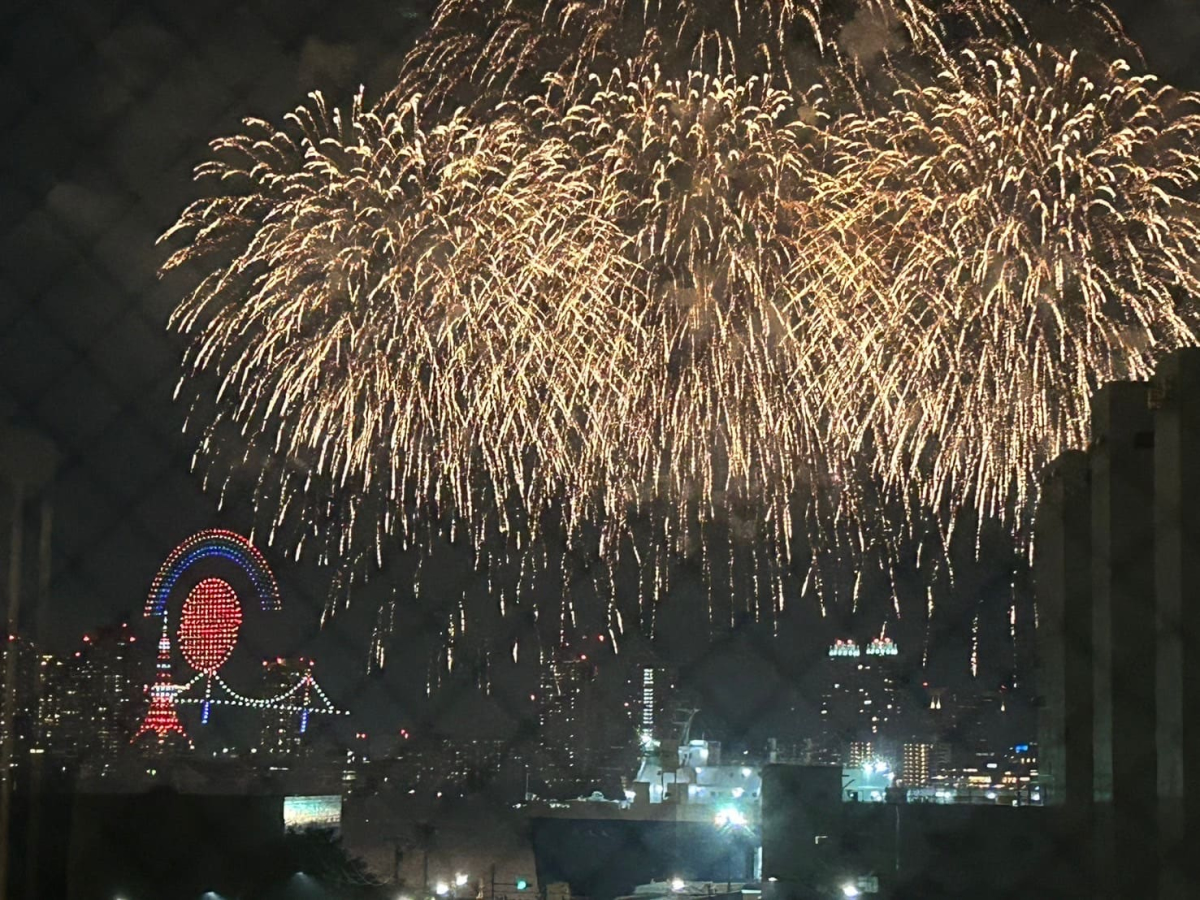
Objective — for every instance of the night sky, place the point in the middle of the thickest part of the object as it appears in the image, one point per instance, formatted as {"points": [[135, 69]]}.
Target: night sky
{"points": [[105, 109]]}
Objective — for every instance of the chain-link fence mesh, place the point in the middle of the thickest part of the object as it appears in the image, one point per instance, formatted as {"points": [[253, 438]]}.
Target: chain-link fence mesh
{"points": [[452, 778]]}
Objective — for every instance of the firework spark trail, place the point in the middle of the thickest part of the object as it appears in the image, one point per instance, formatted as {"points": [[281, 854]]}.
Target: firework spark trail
{"points": [[397, 292], [1039, 227], [643, 273]]}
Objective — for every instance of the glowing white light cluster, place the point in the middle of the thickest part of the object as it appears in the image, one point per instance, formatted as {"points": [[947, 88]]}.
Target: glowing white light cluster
{"points": [[882, 647]]}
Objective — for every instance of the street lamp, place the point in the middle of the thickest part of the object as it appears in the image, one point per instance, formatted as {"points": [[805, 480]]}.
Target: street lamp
{"points": [[441, 889], [850, 890]]}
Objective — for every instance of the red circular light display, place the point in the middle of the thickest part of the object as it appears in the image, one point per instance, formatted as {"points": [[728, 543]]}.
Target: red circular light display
{"points": [[209, 625]]}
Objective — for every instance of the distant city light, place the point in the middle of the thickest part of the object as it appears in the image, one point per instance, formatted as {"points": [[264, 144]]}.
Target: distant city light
{"points": [[738, 792], [882, 647], [850, 890], [844, 648], [441, 889], [678, 884], [460, 880]]}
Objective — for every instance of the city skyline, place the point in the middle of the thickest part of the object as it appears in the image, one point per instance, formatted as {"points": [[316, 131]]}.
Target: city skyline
{"points": [[88, 706]]}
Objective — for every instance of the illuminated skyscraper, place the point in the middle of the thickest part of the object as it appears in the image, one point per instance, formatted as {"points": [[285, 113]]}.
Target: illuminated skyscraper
{"points": [[25, 690], [651, 693], [563, 718], [92, 700], [859, 753], [112, 677], [859, 700], [282, 734], [587, 738], [916, 764]]}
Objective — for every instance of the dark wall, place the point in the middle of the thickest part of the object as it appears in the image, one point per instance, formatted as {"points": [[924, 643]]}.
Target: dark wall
{"points": [[167, 846], [802, 827], [932, 851], [38, 851], [813, 844], [605, 858]]}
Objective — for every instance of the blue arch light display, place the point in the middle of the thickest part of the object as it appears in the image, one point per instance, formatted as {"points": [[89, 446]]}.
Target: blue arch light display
{"points": [[218, 543]]}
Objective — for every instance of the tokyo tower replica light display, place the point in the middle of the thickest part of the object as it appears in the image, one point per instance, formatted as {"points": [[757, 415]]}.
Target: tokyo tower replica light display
{"points": [[210, 621]]}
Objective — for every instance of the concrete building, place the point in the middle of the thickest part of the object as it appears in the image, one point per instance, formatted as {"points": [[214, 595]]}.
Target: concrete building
{"points": [[1117, 558], [1122, 482], [1062, 575], [1176, 401]]}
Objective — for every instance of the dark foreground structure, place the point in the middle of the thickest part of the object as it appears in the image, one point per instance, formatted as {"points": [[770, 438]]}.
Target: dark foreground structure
{"points": [[817, 846], [154, 846], [607, 856], [1117, 575]]}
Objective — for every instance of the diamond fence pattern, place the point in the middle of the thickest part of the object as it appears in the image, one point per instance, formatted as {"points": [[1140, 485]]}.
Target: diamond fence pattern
{"points": [[104, 110]]}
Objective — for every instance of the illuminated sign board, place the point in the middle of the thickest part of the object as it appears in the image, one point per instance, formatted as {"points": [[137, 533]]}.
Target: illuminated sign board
{"points": [[321, 811]]}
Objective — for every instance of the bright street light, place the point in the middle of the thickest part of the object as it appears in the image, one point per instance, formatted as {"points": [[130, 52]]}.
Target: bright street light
{"points": [[678, 884], [730, 816], [460, 879], [850, 890], [441, 889]]}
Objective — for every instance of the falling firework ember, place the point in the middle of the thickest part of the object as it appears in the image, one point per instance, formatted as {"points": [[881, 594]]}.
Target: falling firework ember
{"points": [[733, 281], [1035, 231]]}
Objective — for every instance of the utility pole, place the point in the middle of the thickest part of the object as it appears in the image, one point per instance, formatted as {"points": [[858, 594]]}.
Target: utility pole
{"points": [[27, 463], [15, 550], [897, 810]]}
